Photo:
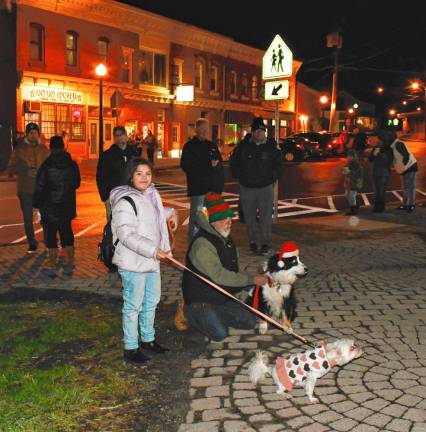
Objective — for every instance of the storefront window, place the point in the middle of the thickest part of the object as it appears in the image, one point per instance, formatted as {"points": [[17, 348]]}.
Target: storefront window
{"points": [[231, 133]]}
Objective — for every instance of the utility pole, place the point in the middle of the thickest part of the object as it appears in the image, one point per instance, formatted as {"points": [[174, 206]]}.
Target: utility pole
{"points": [[334, 40]]}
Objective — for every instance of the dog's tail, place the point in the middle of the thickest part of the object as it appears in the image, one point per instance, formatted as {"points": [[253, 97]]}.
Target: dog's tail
{"points": [[259, 368]]}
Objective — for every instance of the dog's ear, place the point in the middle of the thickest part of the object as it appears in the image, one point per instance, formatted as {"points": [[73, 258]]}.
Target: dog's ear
{"points": [[273, 266]]}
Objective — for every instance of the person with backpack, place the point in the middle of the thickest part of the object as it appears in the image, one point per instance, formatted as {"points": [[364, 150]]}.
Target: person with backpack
{"points": [[141, 240], [405, 165], [55, 195]]}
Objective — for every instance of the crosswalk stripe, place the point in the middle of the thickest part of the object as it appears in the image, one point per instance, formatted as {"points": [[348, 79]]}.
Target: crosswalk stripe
{"points": [[24, 237], [88, 229], [331, 203], [365, 199], [397, 195]]}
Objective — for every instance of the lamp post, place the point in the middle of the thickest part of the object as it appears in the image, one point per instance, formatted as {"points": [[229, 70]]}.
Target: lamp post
{"points": [[101, 71], [323, 101]]}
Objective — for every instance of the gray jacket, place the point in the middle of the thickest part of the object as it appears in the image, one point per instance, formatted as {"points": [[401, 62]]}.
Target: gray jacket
{"points": [[139, 236]]}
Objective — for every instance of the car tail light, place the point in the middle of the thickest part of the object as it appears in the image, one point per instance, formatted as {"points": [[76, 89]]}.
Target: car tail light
{"points": [[329, 146], [298, 145], [335, 141]]}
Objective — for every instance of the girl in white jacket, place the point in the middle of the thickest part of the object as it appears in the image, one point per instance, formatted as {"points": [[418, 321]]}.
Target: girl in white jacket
{"points": [[142, 241]]}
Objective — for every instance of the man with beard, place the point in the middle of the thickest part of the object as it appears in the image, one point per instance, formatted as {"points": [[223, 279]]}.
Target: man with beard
{"points": [[213, 254]]}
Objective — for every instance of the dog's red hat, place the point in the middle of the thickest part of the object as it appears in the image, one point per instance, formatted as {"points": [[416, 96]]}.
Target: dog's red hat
{"points": [[288, 249]]}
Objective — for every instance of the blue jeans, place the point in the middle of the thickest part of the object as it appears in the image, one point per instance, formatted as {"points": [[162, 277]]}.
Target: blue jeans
{"points": [[141, 294], [409, 185], [197, 202]]}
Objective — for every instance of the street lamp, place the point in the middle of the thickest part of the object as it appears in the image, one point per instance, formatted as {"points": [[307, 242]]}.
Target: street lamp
{"points": [[356, 106], [350, 110], [101, 71], [392, 112], [380, 90], [415, 85], [404, 102], [323, 101]]}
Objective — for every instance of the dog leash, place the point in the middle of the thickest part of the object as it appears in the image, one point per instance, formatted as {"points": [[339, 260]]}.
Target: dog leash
{"points": [[255, 311]]}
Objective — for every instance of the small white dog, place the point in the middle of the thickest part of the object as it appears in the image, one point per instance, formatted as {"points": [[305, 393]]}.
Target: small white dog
{"points": [[303, 369]]}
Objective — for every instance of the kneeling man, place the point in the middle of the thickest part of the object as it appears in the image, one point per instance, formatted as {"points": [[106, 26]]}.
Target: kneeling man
{"points": [[212, 254]]}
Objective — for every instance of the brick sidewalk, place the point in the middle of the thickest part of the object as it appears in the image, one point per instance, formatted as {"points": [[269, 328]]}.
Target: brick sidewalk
{"points": [[370, 286]]}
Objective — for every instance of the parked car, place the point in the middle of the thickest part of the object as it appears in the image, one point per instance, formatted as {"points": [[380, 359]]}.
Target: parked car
{"points": [[299, 148], [323, 139], [339, 142]]}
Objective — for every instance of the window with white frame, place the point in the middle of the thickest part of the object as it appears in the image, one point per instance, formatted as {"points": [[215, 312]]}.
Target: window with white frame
{"points": [[198, 81], [244, 85], [213, 78], [233, 83], [254, 89], [152, 68], [126, 64]]}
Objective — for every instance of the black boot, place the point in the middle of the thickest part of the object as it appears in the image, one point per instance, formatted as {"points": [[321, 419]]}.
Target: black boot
{"points": [[154, 347], [253, 247], [352, 211], [135, 356]]}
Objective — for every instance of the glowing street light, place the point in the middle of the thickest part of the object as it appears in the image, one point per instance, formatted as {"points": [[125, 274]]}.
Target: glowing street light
{"points": [[415, 85], [392, 112], [419, 109], [101, 71], [350, 110], [356, 106], [323, 99], [404, 102], [380, 89]]}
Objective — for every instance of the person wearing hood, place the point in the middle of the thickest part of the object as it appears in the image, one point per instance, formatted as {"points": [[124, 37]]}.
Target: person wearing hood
{"points": [[142, 240], [256, 164], [55, 196], [213, 255], [26, 159], [111, 165]]}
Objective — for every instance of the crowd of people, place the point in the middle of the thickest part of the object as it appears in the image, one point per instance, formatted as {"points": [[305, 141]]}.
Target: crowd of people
{"points": [[141, 226]]}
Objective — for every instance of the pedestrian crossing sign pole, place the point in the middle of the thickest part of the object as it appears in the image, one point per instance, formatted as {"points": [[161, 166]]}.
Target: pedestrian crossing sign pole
{"points": [[277, 64]]}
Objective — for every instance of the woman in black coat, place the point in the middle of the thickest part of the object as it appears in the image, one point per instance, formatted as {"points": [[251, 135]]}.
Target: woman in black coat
{"points": [[56, 183]]}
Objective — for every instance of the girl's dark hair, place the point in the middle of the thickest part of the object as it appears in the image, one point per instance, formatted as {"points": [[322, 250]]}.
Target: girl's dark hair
{"points": [[131, 167]]}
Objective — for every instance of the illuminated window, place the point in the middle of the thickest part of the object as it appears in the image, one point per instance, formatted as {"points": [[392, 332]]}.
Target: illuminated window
{"points": [[36, 42], [254, 89], [152, 68], [103, 46], [71, 48], [244, 86], [213, 78], [176, 72], [126, 64], [234, 83], [198, 75]]}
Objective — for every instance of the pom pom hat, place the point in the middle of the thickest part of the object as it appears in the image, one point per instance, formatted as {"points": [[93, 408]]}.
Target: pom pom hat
{"points": [[288, 250], [217, 208]]}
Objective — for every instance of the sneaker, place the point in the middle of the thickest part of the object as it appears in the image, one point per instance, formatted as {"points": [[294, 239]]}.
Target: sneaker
{"points": [[410, 209], [32, 250], [135, 356], [264, 250], [253, 247], [402, 207], [154, 347]]}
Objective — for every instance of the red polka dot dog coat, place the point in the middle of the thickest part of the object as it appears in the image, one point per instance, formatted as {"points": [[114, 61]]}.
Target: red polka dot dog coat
{"points": [[295, 368]]}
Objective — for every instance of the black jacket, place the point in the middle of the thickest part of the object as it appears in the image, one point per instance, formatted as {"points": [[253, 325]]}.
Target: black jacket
{"points": [[110, 170], [196, 161], [382, 161], [56, 183], [254, 165]]}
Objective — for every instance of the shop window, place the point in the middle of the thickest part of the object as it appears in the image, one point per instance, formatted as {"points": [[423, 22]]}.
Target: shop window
{"points": [[233, 83], [71, 48], [231, 133], [36, 42], [254, 89], [244, 86], [103, 47], [126, 64], [152, 68], [213, 78], [198, 75]]}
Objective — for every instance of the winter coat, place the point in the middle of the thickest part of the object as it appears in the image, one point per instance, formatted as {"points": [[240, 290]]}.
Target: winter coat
{"points": [[403, 160], [382, 158], [256, 165], [139, 236], [196, 161], [26, 159], [359, 142], [56, 183], [215, 258], [110, 170], [354, 175]]}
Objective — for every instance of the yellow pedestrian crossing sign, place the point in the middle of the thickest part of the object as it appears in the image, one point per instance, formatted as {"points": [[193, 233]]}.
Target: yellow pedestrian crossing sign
{"points": [[278, 60]]}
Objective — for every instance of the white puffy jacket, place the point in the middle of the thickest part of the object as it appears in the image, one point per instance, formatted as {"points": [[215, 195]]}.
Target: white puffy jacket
{"points": [[139, 236]]}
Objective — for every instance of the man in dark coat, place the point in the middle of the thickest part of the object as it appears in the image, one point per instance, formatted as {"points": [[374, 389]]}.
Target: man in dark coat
{"points": [[56, 183], [256, 163], [111, 166], [202, 162]]}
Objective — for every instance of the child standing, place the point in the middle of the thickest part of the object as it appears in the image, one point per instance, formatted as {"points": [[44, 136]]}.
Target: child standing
{"points": [[353, 172], [142, 241]]}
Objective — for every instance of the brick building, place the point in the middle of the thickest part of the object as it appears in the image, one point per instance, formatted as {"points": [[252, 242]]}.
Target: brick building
{"points": [[147, 56]]}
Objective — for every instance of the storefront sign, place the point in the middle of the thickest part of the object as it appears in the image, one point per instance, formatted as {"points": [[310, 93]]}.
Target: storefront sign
{"points": [[52, 94]]}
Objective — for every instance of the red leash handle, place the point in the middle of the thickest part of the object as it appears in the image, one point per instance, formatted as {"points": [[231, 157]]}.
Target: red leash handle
{"points": [[255, 311]]}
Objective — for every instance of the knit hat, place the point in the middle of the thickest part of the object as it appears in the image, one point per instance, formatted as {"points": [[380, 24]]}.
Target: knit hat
{"points": [[257, 123], [217, 208], [56, 142], [30, 127], [288, 249]]}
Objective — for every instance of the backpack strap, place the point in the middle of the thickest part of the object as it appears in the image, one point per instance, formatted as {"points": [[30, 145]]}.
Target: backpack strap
{"points": [[132, 203]]}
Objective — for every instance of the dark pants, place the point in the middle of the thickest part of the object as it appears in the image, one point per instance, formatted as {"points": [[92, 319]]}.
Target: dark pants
{"points": [[213, 320], [150, 153], [26, 201], [65, 233], [380, 185]]}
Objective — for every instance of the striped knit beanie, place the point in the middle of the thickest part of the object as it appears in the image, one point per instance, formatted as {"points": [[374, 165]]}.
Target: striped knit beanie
{"points": [[217, 208]]}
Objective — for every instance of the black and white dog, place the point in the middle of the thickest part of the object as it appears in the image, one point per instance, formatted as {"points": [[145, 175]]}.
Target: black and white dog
{"points": [[278, 300]]}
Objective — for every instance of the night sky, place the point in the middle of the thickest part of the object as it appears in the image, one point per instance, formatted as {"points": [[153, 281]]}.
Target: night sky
{"points": [[383, 35]]}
